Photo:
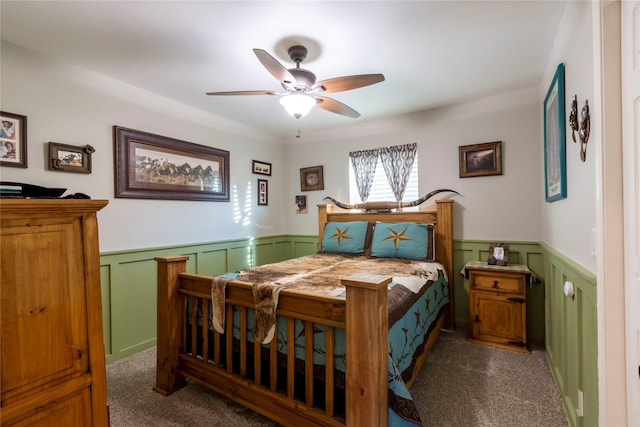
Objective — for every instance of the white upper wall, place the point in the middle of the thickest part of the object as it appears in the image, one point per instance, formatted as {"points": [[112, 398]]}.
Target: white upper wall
{"points": [[504, 207], [71, 106], [568, 223], [68, 105]]}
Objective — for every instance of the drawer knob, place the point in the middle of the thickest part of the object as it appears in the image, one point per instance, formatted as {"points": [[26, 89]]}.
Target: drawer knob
{"points": [[495, 284]]}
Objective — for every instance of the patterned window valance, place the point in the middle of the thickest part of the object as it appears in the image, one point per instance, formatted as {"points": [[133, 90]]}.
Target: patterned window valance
{"points": [[397, 162]]}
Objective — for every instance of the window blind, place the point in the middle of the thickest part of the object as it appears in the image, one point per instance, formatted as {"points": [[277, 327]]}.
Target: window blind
{"points": [[380, 190]]}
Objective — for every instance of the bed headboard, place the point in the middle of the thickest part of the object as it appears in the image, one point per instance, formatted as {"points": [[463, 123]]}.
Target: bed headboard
{"points": [[441, 218]]}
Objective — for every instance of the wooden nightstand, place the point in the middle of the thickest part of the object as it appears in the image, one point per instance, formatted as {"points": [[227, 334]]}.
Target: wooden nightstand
{"points": [[497, 304]]}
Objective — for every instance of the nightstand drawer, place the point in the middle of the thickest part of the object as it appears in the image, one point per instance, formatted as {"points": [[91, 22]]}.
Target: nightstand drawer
{"points": [[497, 282]]}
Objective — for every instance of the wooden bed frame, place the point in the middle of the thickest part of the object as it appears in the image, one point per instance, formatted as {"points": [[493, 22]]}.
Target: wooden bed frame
{"points": [[256, 384]]}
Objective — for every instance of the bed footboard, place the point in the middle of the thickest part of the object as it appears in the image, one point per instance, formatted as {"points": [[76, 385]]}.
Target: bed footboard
{"points": [[251, 373]]}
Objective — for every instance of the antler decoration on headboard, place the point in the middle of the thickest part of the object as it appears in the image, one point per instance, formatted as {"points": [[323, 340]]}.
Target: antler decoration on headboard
{"points": [[387, 206]]}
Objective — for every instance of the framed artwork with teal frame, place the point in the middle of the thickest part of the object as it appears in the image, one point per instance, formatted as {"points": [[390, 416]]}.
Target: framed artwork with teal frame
{"points": [[555, 161]]}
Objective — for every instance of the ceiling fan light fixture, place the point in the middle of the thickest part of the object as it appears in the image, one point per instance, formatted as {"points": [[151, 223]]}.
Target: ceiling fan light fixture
{"points": [[297, 105]]}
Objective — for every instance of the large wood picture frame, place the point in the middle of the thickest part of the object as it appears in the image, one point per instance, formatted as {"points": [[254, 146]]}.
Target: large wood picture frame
{"points": [[555, 162], [149, 166]]}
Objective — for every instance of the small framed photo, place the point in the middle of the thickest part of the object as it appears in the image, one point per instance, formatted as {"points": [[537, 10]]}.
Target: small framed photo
{"points": [[481, 159], [263, 192], [70, 158], [13, 140], [301, 204], [261, 168], [498, 254], [311, 178]]}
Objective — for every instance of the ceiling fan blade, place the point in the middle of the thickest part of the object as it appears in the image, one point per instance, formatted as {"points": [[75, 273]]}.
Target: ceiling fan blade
{"points": [[276, 69], [245, 92], [337, 107], [339, 84]]}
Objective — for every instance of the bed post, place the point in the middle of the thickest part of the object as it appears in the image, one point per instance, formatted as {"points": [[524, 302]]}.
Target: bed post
{"points": [[169, 327], [444, 251], [323, 210], [367, 350]]}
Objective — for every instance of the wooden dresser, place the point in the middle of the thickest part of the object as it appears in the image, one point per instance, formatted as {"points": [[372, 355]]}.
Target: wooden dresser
{"points": [[498, 304], [52, 370]]}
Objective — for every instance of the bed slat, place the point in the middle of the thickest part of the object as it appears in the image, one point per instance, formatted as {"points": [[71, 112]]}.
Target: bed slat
{"points": [[216, 348], [329, 370], [229, 337], [308, 366], [243, 342], [273, 363], [195, 305], [257, 364], [205, 331], [291, 349]]}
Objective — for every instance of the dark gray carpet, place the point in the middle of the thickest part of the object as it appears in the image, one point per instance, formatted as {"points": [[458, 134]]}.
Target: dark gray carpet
{"points": [[461, 384]]}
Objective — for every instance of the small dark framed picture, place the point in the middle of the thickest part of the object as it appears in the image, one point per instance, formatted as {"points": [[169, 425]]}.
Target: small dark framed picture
{"points": [[498, 254], [70, 158], [263, 192], [311, 178], [301, 204], [481, 159], [261, 168], [13, 140]]}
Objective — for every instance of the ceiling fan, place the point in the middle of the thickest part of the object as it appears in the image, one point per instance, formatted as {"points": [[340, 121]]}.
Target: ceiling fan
{"points": [[301, 92]]}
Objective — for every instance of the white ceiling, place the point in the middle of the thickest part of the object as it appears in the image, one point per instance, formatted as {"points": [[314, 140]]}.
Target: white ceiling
{"points": [[432, 53]]}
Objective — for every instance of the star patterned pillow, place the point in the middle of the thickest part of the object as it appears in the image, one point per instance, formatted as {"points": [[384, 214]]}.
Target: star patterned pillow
{"points": [[408, 240], [344, 237]]}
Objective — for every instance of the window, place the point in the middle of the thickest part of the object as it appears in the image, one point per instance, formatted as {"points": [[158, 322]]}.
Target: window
{"points": [[380, 189]]}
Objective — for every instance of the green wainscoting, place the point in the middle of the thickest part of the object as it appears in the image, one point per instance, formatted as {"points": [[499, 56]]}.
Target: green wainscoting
{"points": [[528, 253], [571, 340], [566, 327], [128, 280]]}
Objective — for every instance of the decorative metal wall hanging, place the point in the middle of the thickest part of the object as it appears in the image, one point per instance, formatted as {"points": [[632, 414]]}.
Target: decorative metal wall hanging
{"points": [[573, 117], [585, 129], [581, 128]]}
